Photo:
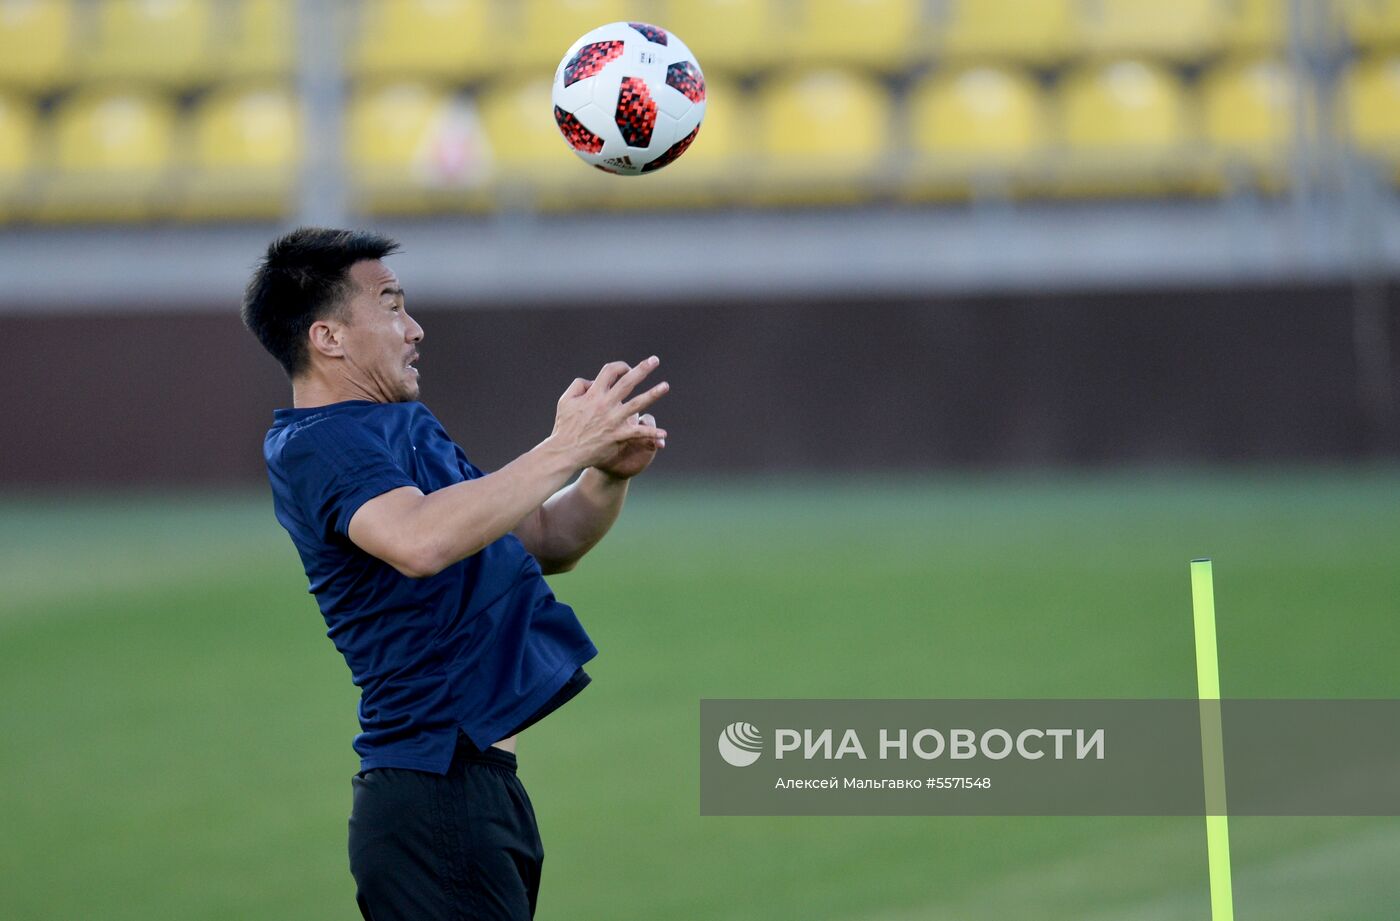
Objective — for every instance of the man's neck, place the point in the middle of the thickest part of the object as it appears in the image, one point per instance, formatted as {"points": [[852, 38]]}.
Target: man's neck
{"points": [[311, 391]]}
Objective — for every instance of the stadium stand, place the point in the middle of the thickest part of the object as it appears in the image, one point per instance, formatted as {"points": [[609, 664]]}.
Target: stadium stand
{"points": [[112, 154], [1039, 33], [1254, 26], [975, 128], [1372, 24], [1185, 30], [169, 42], [820, 133], [36, 43], [260, 40], [821, 101], [447, 39], [415, 148], [1370, 96], [522, 136], [544, 29], [1127, 125], [727, 36], [18, 129], [1247, 109], [246, 148], [881, 35]]}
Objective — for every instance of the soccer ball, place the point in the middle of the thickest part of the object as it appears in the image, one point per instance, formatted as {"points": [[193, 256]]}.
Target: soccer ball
{"points": [[629, 98]]}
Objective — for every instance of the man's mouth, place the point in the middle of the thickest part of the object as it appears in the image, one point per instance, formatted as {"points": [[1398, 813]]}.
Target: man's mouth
{"points": [[408, 365]]}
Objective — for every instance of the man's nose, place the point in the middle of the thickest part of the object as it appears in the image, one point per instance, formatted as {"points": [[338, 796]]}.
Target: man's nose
{"points": [[415, 332]]}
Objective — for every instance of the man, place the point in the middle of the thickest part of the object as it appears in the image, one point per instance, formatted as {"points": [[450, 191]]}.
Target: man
{"points": [[429, 572]]}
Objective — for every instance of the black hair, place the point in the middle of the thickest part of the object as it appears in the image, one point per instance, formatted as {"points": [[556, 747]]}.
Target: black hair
{"points": [[304, 278]]}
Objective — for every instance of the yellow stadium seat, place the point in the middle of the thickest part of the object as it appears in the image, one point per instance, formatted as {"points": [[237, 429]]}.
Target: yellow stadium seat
{"points": [[161, 41], [879, 34], [1248, 118], [1371, 103], [546, 28], [532, 165], [825, 135], [18, 140], [260, 40], [1254, 25], [1372, 23], [113, 151], [525, 143], [245, 149], [414, 148], [1180, 29], [18, 124], [1128, 129], [727, 36], [1007, 30], [36, 43], [449, 39], [1126, 105], [976, 127]]}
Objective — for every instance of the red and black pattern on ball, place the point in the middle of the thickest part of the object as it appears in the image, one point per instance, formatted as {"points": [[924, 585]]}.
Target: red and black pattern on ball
{"points": [[590, 59], [579, 137], [672, 153], [654, 34], [636, 112], [686, 77]]}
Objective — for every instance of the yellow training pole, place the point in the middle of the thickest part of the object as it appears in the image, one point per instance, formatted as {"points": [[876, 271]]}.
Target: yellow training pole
{"points": [[1222, 905]]}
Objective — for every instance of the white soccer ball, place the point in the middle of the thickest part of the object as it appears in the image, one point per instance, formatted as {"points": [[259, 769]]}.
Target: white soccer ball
{"points": [[629, 98]]}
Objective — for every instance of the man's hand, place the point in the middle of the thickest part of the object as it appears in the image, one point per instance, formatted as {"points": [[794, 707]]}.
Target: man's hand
{"points": [[599, 426], [634, 456], [615, 438]]}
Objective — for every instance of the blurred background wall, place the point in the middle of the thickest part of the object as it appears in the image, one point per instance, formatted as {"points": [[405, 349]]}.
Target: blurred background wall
{"points": [[911, 232]]}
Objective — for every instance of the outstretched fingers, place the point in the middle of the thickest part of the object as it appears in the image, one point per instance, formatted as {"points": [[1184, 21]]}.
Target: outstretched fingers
{"points": [[629, 381], [644, 401]]}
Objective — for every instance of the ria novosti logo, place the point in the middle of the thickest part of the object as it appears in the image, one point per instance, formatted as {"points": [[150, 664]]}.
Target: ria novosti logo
{"points": [[740, 744]]}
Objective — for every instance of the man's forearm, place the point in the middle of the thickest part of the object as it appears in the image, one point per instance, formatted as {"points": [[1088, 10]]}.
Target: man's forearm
{"points": [[574, 519], [433, 531], [469, 524]]}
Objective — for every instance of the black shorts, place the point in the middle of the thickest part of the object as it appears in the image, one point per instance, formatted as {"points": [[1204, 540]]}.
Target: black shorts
{"points": [[463, 846]]}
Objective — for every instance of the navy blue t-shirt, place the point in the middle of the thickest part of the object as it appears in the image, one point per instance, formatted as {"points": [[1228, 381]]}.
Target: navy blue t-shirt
{"points": [[482, 646]]}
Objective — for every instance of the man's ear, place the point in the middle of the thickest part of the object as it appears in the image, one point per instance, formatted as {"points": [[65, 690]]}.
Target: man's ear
{"points": [[327, 337]]}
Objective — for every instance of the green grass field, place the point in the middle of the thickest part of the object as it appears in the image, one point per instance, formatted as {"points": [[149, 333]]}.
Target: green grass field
{"points": [[175, 728]]}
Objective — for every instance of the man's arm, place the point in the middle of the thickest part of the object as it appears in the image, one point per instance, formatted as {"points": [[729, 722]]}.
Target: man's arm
{"points": [[420, 535], [572, 521]]}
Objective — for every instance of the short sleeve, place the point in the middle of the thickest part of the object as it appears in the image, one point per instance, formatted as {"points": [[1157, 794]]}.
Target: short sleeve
{"points": [[333, 466]]}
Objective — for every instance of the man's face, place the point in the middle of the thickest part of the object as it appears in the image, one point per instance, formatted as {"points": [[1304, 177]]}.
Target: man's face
{"points": [[381, 339]]}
